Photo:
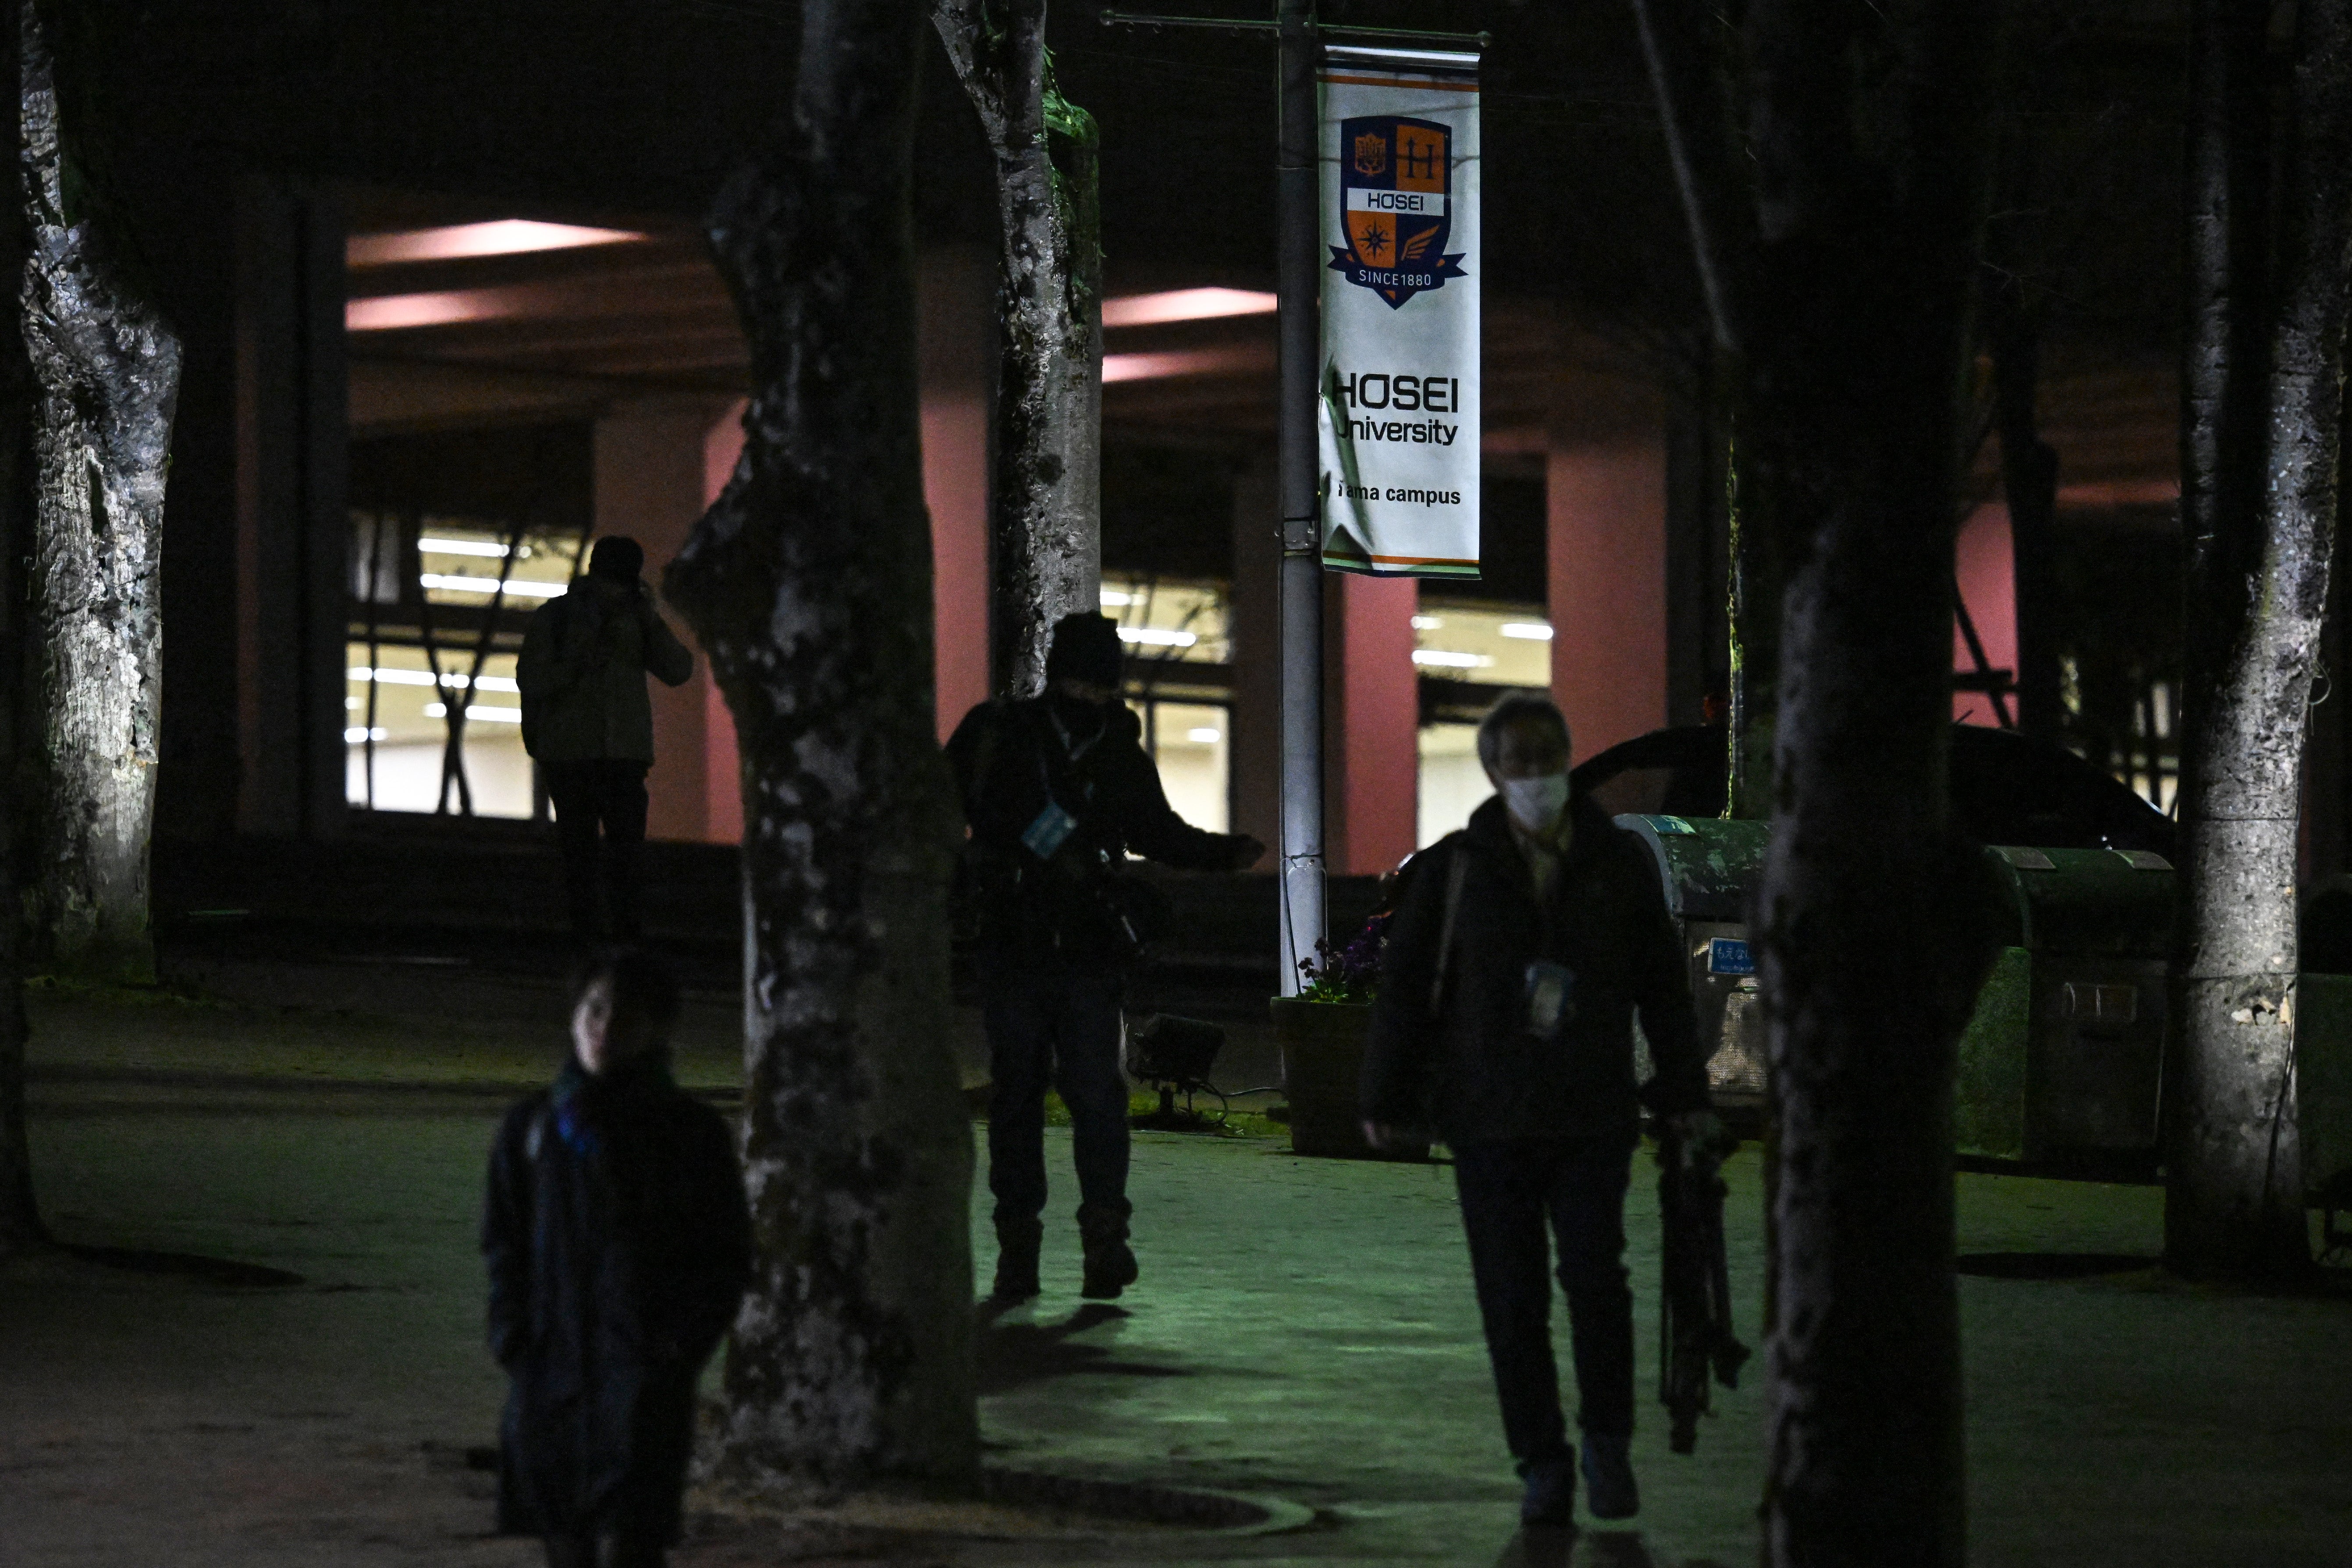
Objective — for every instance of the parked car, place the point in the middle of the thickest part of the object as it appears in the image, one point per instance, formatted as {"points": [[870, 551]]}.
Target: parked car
{"points": [[2006, 788]]}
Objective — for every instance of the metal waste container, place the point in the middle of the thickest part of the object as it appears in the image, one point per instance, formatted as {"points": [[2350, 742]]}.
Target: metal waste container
{"points": [[1710, 867], [2063, 1060]]}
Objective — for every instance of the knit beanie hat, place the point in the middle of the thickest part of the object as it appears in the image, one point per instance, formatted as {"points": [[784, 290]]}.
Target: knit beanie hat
{"points": [[1086, 648]]}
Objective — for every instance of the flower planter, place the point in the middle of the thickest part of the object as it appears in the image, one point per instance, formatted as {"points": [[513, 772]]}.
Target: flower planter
{"points": [[1322, 1046]]}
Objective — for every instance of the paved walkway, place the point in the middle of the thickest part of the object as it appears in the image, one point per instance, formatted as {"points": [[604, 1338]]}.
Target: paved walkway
{"points": [[1303, 1328]]}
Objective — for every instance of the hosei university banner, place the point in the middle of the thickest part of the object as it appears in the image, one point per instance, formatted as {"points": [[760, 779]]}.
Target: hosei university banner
{"points": [[1399, 404]]}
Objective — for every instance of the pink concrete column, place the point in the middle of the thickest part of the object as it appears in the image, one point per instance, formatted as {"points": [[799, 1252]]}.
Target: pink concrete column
{"points": [[1606, 505], [1253, 625], [1986, 569], [955, 485], [649, 476], [722, 446], [955, 303], [1372, 720]]}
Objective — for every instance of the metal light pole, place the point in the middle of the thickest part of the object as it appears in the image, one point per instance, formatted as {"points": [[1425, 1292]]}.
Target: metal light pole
{"points": [[1298, 285], [1298, 288]]}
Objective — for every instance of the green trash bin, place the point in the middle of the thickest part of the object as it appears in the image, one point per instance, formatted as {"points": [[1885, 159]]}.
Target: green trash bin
{"points": [[2062, 1062], [1710, 867]]}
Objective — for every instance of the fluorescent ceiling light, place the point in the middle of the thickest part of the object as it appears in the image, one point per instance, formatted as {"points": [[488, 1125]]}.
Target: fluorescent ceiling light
{"points": [[425, 678], [1152, 637], [506, 236], [517, 588], [360, 734], [1443, 660], [489, 715], [1116, 368], [1426, 623], [1203, 737], [1528, 631], [1185, 305], [397, 313], [459, 547], [1115, 597]]}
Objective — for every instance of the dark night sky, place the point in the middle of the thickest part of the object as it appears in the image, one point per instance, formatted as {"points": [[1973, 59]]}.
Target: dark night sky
{"points": [[579, 105]]}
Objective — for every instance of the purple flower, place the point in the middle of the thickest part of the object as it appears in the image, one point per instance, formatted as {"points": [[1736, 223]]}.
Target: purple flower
{"points": [[1350, 974]]}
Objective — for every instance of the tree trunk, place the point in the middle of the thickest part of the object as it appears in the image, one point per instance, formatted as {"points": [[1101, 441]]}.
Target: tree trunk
{"points": [[2029, 477], [20, 1215], [2016, 311], [1684, 47], [809, 585], [1858, 190], [1047, 501], [2233, 1195], [109, 371]]}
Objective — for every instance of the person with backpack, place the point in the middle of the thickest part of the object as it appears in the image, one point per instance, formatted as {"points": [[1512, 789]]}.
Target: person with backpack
{"points": [[1059, 789], [588, 722], [619, 1244], [1519, 954]]}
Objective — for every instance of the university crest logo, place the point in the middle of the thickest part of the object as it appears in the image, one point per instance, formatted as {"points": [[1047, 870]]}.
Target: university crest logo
{"points": [[1396, 190]]}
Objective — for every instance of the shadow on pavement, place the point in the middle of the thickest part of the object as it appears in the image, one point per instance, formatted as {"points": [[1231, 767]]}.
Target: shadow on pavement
{"points": [[185, 1266], [1010, 1355]]}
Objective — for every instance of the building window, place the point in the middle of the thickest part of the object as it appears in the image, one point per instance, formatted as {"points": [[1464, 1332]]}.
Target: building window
{"points": [[1467, 655], [1179, 683], [432, 715], [1188, 743]]}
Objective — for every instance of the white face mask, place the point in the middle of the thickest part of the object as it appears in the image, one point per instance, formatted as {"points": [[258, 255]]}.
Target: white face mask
{"points": [[1535, 803]]}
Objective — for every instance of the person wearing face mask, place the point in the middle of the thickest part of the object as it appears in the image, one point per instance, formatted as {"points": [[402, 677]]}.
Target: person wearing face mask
{"points": [[619, 1246], [1059, 789], [1514, 964]]}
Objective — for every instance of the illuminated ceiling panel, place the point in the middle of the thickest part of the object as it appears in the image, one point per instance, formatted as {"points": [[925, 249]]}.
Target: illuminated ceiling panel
{"points": [[391, 312], [508, 237], [1185, 305]]}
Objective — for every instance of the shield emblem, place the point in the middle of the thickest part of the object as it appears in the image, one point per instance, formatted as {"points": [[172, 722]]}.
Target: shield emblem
{"points": [[1397, 199]]}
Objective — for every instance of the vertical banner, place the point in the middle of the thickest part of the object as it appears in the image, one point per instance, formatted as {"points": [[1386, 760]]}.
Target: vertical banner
{"points": [[1397, 401]]}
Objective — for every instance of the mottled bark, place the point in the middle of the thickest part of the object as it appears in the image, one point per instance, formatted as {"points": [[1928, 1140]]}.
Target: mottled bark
{"points": [[1859, 176], [1045, 501], [109, 371], [809, 585], [20, 1217], [2259, 559]]}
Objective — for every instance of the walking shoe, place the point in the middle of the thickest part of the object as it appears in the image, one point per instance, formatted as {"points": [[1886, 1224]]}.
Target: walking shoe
{"points": [[1549, 1495], [1017, 1244], [1110, 1265], [1609, 1477]]}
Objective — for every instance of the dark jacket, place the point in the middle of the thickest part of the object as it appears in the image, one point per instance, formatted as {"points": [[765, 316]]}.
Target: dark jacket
{"points": [[1012, 761], [1475, 1071], [583, 669], [618, 1247]]}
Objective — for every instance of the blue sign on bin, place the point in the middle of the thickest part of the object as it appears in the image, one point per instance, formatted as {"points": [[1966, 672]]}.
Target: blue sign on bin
{"points": [[1730, 955]]}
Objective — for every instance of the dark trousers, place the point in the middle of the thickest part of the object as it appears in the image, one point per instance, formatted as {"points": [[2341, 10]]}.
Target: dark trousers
{"points": [[1058, 1028], [1510, 1188], [600, 820]]}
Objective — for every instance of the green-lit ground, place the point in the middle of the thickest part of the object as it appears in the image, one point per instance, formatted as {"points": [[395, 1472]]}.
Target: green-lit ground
{"points": [[1303, 1328]]}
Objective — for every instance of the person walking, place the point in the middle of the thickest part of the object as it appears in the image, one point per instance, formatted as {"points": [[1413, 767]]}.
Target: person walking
{"points": [[1058, 789], [588, 722], [619, 1247], [1514, 966]]}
